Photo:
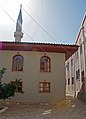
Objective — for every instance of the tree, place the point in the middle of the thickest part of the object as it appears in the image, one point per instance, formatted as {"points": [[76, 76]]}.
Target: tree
{"points": [[7, 90]]}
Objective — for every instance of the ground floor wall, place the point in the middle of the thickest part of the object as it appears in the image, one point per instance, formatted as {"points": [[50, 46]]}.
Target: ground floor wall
{"points": [[31, 76]]}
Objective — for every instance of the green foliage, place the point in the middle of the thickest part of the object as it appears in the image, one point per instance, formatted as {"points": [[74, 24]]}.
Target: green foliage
{"points": [[7, 90], [2, 71]]}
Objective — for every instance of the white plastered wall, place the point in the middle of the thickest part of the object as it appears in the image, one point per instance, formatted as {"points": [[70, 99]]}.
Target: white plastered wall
{"points": [[31, 76]]}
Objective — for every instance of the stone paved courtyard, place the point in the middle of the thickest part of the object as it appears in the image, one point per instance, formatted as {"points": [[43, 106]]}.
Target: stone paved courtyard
{"points": [[72, 108]]}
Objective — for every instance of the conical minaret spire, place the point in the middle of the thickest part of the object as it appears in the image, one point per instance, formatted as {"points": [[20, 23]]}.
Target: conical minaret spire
{"points": [[18, 33]]}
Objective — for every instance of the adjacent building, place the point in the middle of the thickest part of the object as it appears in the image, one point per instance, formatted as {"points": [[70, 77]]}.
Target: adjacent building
{"points": [[76, 65]]}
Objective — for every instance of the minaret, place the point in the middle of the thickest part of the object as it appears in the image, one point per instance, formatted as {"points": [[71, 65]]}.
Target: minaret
{"points": [[18, 33]]}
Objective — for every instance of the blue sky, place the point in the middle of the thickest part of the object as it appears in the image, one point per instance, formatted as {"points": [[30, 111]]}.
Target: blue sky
{"points": [[60, 18]]}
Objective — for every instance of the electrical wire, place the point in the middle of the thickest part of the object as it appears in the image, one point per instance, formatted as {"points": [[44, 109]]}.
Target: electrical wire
{"points": [[24, 31], [7, 14], [34, 41], [40, 26], [40, 19], [44, 29]]}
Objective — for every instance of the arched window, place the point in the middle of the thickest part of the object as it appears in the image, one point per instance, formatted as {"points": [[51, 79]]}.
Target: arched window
{"points": [[17, 64], [45, 64]]}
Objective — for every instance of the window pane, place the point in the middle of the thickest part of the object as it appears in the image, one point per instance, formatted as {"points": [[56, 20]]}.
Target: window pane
{"points": [[41, 84], [78, 74], [47, 90], [47, 85], [18, 63], [71, 62], [82, 73], [68, 81], [44, 87], [72, 80], [68, 66], [15, 64], [81, 49], [41, 89], [42, 64], [45, 64]]}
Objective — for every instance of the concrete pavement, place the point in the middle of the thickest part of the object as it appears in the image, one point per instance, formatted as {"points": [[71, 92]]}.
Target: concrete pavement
{"points": [[72, 108]]}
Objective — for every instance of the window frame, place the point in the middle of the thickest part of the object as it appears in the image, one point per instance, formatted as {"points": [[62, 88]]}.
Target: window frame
{"points": [[81, 50], [68, 81], [71, 62], [78, 74], [68, 66], [17, 63], [82, 74], [72, 80], [20, 86], [45, 68], [45, 87]]}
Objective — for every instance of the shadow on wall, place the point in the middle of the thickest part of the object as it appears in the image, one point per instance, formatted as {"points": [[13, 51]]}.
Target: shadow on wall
{"points": [[82, 94]]}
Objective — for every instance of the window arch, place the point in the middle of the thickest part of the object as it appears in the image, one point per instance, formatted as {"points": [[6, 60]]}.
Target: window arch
{"points": [[17, 64], [45, 64]]}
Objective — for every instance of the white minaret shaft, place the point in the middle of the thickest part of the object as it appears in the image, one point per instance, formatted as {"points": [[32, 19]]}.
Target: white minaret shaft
{"points": [[18, 33]]}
